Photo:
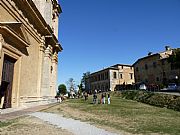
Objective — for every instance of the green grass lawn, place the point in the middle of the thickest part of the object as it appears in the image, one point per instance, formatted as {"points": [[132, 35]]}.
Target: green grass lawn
{"points": [[5, 124], [130, 116]]}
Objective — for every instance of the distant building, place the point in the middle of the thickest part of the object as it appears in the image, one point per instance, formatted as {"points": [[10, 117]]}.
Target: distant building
{"points": [[108, 78], [28, 50], [155, 68]]}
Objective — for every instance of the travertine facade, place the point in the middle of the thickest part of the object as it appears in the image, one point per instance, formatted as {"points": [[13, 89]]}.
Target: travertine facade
{"points": [[28, 50], [155, 69], [108, 78]]}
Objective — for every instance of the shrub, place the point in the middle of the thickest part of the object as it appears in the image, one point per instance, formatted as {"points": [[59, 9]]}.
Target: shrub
{"points": [[174, 104], [129, 94], [156, 99]]}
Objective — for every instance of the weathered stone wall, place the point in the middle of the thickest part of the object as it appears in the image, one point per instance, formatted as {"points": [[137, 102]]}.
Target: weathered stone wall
{"points": [[107, 79], [155, 69], [35, 68], [29, 70]]}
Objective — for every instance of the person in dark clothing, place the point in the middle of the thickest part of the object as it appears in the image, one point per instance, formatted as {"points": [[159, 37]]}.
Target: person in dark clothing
{"points": [[94, 98]]}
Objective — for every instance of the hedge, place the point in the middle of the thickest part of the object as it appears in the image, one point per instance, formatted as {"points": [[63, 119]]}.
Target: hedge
{"points": [[156, 99]]}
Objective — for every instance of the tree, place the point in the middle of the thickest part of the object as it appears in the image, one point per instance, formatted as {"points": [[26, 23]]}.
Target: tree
{"points": [[84, 78], [174, 59], [71, 87], [71, 84], [62, 89], [80, 87]]}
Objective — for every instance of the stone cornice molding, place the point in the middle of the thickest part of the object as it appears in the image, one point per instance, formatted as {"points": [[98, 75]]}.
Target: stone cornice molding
{"points": [[57, 6], [47, 30], [6, 30], [12, 49], [59, 47], [11, 7], [9, 48], [54, 42], [35, 13]]}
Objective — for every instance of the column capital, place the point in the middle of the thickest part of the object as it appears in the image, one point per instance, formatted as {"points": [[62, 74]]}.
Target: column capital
{"points": [[48, 51], [43, 39], [42, 44], [55, 57]]}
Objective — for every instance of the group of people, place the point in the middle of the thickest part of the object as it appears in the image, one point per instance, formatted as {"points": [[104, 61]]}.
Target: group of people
{"points": [[59, 99], [102, 99]]}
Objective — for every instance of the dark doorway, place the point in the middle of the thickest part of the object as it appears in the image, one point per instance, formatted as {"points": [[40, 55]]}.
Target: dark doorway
{"points": [[7, 80]]}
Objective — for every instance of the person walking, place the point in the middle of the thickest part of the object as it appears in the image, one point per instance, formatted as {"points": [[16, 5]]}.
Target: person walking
{"points": [[109, 99], [94, 98], [104, 98], [57, 99]]}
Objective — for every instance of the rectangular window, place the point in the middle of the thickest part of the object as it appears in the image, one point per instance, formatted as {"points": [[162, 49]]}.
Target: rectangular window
{"points": [[137, 69], [121, 76], [131, 75], [146, 66], [107, 75], [114, 75]]}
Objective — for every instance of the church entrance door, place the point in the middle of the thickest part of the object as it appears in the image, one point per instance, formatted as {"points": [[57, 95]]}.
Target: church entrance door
{"points": [[7, 80]]}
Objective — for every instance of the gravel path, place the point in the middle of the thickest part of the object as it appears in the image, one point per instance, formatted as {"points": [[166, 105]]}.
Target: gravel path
{"points": [[75, 126]]}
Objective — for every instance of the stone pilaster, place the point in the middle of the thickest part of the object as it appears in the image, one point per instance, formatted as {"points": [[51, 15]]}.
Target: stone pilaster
{"points": [[54, 74], [1, 44], [1, 55], [40, 67], [46, 75]]}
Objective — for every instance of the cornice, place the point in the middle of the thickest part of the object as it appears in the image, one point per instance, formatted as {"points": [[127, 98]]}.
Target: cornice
{"points": [[57, 6], [8, 31], [35, 13], [11, 49], [43, 30], [51, 39], [12, 9]]}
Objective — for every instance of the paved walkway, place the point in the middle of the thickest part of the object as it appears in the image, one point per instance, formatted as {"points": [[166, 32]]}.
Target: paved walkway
{"points": [[74, 126], [17, 113]]}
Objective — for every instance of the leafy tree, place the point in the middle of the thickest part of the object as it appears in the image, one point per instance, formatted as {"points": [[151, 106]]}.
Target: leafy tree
{"points": [[84, 77], [62, 89], [71, 84], [174, 59], [80, 87]]}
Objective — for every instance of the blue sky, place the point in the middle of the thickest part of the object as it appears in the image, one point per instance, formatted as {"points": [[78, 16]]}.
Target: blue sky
{"points": [[101, 33]]}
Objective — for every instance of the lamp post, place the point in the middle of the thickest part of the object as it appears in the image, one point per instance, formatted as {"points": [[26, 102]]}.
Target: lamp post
{"points": [[176, 77]]}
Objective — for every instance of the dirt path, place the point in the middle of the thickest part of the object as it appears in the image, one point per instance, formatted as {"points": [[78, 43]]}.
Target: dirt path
{"points": [[75, 126], [32, 126], [70, 112]]}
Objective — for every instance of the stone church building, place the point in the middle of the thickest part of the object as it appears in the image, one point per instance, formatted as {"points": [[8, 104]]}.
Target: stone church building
{"points": [[28, 50]]}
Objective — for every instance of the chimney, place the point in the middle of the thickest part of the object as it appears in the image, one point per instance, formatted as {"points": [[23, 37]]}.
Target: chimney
{"points": [[168, 48]]}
